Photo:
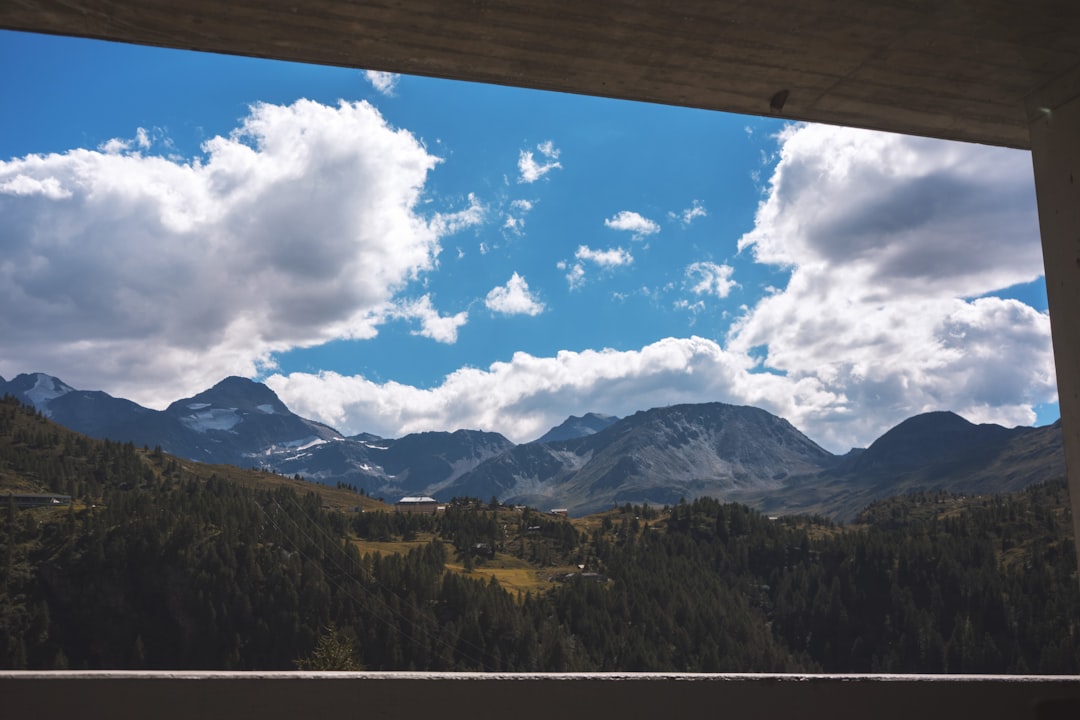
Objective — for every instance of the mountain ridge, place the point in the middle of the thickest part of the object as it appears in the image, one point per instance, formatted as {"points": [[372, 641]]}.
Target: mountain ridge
{"points": [[656, 456]]}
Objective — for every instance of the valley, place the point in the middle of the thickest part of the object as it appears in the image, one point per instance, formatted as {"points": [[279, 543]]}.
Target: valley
{"points": [[164, 563]]}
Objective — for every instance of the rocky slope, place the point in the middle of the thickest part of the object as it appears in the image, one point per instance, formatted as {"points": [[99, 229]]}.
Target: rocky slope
{"points": [[585, 464]]}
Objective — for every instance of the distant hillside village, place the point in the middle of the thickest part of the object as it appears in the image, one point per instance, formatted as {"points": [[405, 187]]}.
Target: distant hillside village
{"points": [[429, 506]]}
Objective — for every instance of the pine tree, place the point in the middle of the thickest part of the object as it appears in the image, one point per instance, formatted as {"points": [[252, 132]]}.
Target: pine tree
{"points": [[333, 651]]}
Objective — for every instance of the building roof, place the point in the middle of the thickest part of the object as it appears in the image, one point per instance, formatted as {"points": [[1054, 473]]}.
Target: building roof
{"points": [[957, 70]]}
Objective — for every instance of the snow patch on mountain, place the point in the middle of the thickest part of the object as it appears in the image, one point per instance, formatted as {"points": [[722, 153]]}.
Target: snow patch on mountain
{"points": [[304, 443], [266, 408], [46, 388], [212, 419]]}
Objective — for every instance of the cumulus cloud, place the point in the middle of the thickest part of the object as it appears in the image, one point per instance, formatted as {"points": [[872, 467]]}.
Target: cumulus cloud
{"points": [[526, 395], [530, 169], [632, 222], [606, 259], [888, 239], [613, 257], [440, 328], [147, 275], [922, 216], [864, 334], [150, 277], [25, 185], [383, 82], [143, 140], [707, 278], [513, 298]]}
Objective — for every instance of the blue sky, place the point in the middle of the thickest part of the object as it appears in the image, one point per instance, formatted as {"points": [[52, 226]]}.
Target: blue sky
{"points": [[394, 254]]}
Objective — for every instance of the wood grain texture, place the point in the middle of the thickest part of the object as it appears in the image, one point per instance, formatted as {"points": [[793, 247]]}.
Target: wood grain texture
{"points": [[952, 69]]}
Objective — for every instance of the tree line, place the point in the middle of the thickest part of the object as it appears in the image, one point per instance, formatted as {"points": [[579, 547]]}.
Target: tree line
{"points": [[163, 565]]}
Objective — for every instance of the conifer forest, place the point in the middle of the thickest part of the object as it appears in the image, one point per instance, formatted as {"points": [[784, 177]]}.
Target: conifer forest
{"points": [[159, 563]]}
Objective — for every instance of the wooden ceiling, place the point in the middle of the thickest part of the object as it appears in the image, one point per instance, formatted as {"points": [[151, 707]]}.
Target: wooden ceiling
{"points": [[958, 69]]}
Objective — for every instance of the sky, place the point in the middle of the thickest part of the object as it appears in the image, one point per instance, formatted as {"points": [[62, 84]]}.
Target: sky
{"points": [[393, 254]]}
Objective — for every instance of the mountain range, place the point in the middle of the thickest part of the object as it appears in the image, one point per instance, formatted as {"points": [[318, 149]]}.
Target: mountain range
{"points": [[585, 464]]}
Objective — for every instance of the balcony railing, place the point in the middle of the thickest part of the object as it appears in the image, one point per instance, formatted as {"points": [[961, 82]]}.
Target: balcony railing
{"points": [[516, 696]]}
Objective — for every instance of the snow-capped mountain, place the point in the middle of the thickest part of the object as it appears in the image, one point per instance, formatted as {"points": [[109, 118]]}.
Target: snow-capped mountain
{"points": [[242, 422], [36, 389], [416, 464], [656, 456]]}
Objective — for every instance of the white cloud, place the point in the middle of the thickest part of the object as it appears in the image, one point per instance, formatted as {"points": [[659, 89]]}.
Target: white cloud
{"points": [[449, 223], [530, 169], [632, 222], [152, 277], [605, 259], [142, 141], [575, 274], [707, 278], [441, 328], [613, 257], [114, 146], [694, 307], [148, 276], [862, 336], [513, 298], [514, 221], [888, 237], [25, 185], [525, 396], [548, 150], [923, 216], [687, 216], [383, 82]]}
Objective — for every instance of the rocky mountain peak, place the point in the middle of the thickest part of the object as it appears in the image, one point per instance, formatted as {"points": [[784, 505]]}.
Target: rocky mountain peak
{"points": [[575, 427], [37, 389], [927, 439], [234, 392]]}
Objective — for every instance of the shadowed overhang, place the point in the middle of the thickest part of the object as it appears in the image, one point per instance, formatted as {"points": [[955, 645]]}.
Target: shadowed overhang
{"points": [[959, 69]]}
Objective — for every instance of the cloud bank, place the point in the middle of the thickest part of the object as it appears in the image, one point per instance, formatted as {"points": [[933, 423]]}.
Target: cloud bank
{"points": [[149, 275], [892, 242], [155, 277]]}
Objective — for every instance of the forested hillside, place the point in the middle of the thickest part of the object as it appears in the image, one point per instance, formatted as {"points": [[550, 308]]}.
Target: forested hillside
{"points": [[164, 564]]}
